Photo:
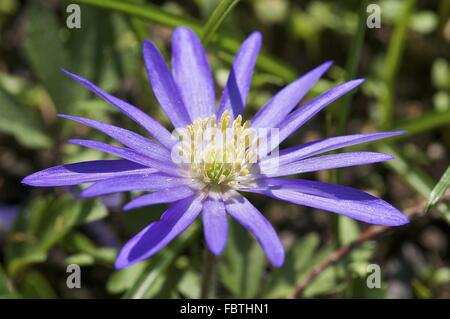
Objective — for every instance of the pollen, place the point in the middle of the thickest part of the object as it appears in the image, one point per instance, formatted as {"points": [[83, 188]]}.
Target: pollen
{"points": [[218, 152]]}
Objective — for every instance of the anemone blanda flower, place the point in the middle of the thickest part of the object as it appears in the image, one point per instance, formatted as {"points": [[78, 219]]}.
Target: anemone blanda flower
{"points": [[201, 178]]}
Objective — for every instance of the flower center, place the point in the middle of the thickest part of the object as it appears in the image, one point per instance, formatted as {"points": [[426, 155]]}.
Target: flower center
{"points": [[218, 152]]}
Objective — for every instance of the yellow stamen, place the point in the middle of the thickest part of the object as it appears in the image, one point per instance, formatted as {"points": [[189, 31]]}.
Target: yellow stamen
{"points": [[219, 152]]}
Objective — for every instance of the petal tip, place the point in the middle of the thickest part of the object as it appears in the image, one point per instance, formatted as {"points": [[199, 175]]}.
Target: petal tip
{"points": [[128, 207], [327, 64], [216, 251], [28, 180], [358, 81], [401, 220], [256, 36], [121, 262], [278, 262]]}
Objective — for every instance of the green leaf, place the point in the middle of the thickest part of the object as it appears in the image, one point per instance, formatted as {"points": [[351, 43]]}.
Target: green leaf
{"points": [[81, 259], [152, 276], [242, 264], [35, 285], [440, 189], [416, 178], [6, 288], [44, 223], [21, 122], [153, 13], [189, 285], [282, 280], [47, 54], [353, 60], [87, 251], [423, 123], [124, 279], [393, 61], [348, 230], [216, 18]]}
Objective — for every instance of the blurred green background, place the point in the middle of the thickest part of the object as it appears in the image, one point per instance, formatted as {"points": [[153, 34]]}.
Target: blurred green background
{"points": [[406, 64]]}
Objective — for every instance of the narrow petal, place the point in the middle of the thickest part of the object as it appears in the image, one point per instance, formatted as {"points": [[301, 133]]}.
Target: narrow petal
{"points": [[165, 196], [343, 200], [192, 74], [84, 172], [159, 132], [132, 182], [236, 90], [164, 86], [215, 226], [305, 112], [247, 215], [274, 111], [128, 138], [129, 154], [158, 234], [329, 144], [325, 162]]}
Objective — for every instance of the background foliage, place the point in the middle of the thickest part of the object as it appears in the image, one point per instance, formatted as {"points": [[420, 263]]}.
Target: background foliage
{"points": [[405, 62]]}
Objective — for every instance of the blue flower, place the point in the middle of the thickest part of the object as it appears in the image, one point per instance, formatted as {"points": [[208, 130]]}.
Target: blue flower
{"points": [[214, 156]]}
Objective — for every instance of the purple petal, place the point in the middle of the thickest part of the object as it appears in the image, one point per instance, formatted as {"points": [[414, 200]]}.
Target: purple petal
{"points": [[334, 198], [164, 86], [129, 154], [275, 111], [247, 215], [84, 172], [236, 91], [312, 107], [215, 224], [192, 74], [325, 162], [333, 143], [132, 182], [132, 140], [159, 132], [165, 196], [158, 234]]}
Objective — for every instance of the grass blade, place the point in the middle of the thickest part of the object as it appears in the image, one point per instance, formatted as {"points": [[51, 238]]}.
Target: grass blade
{"points": [[352, 65], [440, 188], [216, 19], [393, 61], [152, 13]]}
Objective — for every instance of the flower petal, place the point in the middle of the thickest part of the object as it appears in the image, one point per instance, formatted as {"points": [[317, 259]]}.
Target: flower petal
{"points": [[128, 138], [159, 132], [129, 154], [84, 172], [329, 144], [312, 107], [236, 90], [215, 226], [339, 199], [164, 86], [165, 196], [275, 111], [324, 162], [247, 215], [132, 182], [158, 234], [192, 74]]}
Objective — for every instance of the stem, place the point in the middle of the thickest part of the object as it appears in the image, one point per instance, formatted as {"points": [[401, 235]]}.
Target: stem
{"points": [[392, 64], [369, 234], [353, 61], [208, 280]]}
